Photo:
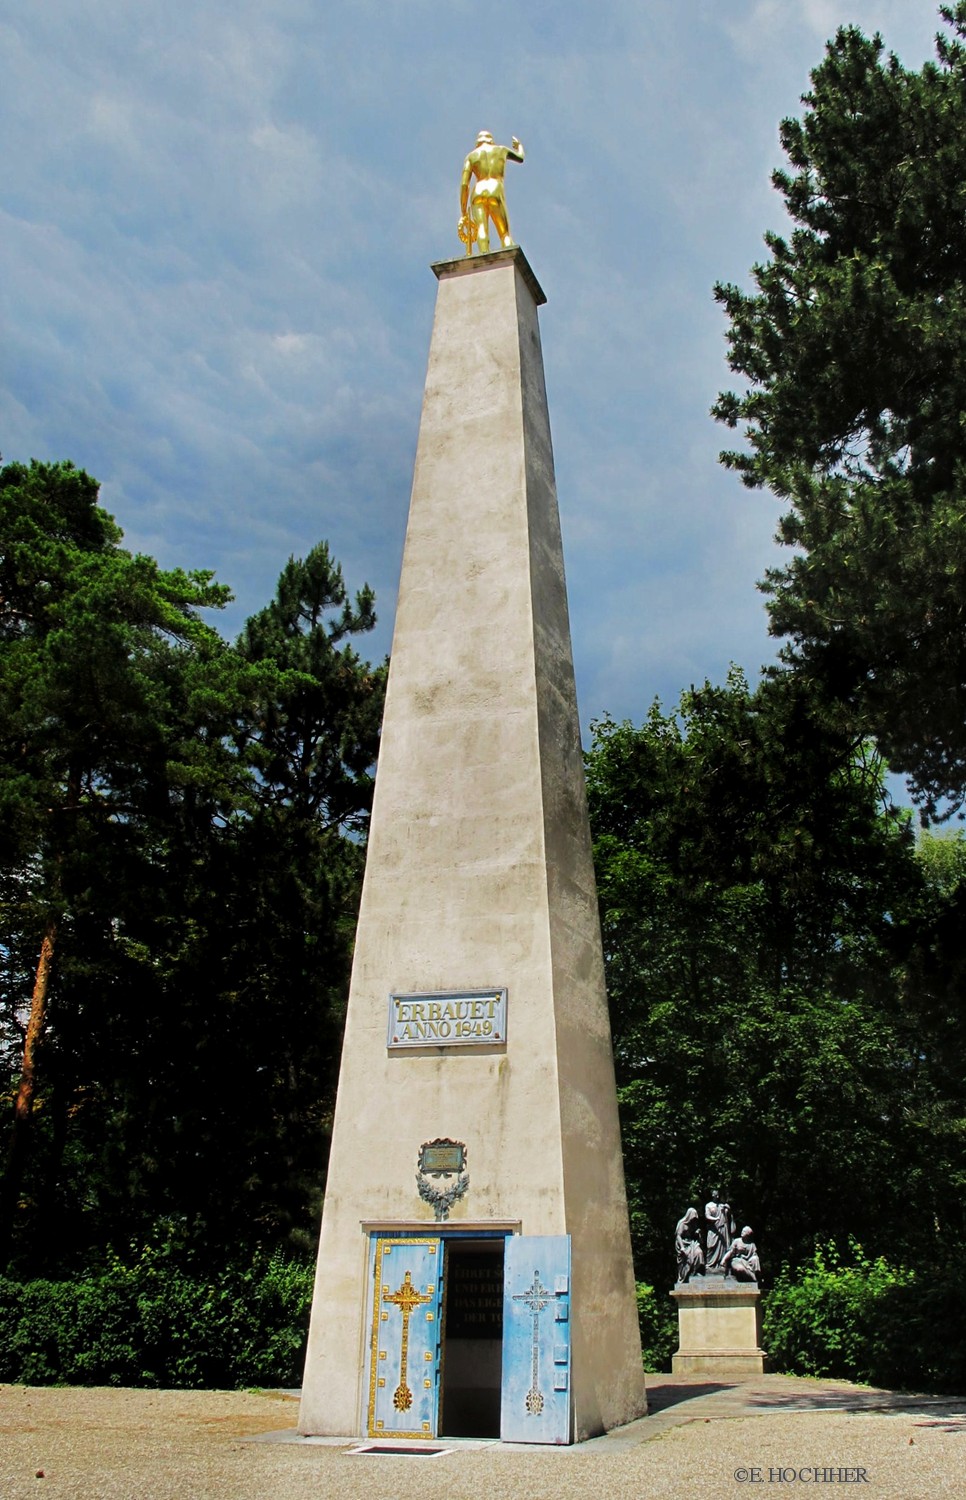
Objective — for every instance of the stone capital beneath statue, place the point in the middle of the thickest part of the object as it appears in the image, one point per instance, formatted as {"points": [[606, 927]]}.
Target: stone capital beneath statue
{"points": [[470, 265]]}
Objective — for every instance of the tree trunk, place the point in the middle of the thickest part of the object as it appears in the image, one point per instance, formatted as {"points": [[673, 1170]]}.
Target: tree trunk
{"points": [[24, 1102]]}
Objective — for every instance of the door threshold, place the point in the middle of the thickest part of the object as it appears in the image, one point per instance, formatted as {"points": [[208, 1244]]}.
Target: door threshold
{"points": [[433, 1448], [394, 1449]]}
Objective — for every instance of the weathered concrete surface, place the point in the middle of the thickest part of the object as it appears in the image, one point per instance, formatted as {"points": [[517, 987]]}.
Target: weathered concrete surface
{"points": [[479, 873], [719, 1329], [169, 1445]]}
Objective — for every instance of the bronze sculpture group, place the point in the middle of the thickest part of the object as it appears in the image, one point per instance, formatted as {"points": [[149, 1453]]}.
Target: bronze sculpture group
{"points": [[724, 1252]]}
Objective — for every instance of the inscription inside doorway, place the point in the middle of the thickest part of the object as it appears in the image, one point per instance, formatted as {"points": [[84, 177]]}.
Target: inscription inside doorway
{"points": [[474, 1305]]}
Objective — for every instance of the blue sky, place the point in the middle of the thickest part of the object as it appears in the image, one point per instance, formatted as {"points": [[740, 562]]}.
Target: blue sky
{"points": [[216, 226]]}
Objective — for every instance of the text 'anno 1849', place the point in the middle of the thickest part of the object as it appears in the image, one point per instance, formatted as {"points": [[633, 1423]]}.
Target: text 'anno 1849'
{"points": [[462, 1018]]}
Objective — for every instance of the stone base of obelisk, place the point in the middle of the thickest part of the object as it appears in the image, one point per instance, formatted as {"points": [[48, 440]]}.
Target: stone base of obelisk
{"points": [[719, 1328]]}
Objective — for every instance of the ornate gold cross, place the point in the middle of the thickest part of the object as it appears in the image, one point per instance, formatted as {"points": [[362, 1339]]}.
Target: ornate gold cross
{"points": [[407, 1299]]}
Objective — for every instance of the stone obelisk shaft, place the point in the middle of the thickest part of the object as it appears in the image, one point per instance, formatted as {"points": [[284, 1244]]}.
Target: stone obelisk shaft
{"points": [[479, 874]]}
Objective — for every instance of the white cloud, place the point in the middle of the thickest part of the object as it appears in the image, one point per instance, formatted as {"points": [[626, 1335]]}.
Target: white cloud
{"points": [[218, 220]]}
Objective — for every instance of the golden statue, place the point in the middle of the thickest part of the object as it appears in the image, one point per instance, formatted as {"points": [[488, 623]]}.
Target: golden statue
{"points": [[486, 162]]}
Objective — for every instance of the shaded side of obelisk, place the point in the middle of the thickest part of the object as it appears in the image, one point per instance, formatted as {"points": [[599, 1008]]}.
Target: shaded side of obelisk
{"points": [[479, 873]]}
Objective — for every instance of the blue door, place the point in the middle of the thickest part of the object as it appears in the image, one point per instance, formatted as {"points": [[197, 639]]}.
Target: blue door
{"points": [[535, 1399], [406, 1286]]}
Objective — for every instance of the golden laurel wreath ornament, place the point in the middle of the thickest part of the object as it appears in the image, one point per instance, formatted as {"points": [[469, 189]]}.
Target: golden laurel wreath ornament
{"points": [[467, 232]]}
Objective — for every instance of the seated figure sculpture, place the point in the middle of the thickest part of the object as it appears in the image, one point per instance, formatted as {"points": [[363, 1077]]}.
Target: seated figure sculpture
{"points": [[687, 1245], [486, 163], [726, 1255], [741, 1258]]}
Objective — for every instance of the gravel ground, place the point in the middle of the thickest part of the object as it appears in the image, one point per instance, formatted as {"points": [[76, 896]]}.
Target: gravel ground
{"points": [[74, 1444]]}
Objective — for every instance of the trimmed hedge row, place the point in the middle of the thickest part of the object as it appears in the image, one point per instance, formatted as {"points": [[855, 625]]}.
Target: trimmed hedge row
{"points": [[152, 1324]]}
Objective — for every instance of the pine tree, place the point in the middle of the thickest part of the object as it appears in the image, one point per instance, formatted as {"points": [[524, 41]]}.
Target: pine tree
{"points": [[116, 705], [853, 347]]}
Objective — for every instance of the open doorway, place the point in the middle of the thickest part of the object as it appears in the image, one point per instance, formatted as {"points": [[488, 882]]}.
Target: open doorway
{"points": [[472, 1335]]}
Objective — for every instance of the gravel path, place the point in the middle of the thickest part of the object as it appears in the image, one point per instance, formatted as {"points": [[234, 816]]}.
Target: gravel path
{"points": [[74, 1444]]}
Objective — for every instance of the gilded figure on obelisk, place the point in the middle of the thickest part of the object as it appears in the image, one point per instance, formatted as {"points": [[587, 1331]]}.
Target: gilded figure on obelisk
{"points": [[486, 163]]}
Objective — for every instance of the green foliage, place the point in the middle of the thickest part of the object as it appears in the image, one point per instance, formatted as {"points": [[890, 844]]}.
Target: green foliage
{"points": [[152, 1323], [853, 348], [316, 735], [869, 1320], [932, 991], [112, 688], [182, 825], [821, 1320], [659, 1327], [116, 710], [763, 913]]}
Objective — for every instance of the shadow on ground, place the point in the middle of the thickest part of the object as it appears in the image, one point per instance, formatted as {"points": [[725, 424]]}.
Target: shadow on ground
{"points": [[683, 1400], [663, 1393]]}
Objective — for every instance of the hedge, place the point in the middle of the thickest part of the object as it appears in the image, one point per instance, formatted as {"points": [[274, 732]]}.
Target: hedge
{"points": [[855, 1318], [154, 1324]]}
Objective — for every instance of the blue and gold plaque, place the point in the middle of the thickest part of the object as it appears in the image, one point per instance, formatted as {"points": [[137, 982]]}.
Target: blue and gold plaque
{"points": [[451, 1018]]}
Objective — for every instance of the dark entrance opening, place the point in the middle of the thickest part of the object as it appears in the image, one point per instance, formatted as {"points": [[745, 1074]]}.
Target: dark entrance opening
{"points": [[472, 1333]]}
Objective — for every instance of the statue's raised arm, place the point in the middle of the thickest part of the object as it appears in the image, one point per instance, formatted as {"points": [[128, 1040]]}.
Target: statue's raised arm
{"points": [[482, 200]]}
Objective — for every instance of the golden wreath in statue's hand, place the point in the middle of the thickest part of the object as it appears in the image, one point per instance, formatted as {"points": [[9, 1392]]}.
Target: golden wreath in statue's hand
{"points": [[467, 232]]}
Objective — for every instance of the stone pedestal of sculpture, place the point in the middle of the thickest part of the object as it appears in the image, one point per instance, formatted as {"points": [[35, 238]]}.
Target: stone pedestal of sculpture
{"points": [[719, 1328]]}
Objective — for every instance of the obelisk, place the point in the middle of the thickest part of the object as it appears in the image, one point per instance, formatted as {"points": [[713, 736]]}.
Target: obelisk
{"points": [[479, 891]]}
